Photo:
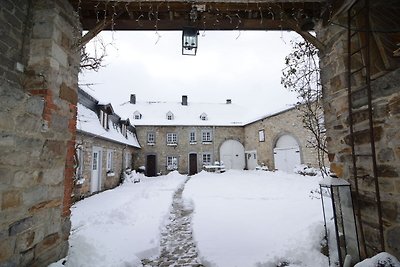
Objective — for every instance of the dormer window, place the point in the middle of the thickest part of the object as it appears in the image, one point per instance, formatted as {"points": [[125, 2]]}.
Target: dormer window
{"points": [[203, 117], [137, 115], [104, 119], [123, 128], [170, 116]]}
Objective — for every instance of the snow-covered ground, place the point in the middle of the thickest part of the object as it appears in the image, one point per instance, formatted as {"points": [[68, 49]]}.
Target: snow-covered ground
{"points": [[241, 218], [256, 218]]}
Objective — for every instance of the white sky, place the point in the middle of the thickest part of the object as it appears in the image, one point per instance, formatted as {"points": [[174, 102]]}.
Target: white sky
{"points": [[243, 66]]}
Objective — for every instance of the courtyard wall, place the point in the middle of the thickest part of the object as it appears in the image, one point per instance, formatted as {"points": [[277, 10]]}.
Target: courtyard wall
{"points": [[38, 84]]}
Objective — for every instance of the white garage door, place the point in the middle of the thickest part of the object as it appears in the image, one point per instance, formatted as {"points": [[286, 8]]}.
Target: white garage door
{"points": [[232, 154], [286, 153]]}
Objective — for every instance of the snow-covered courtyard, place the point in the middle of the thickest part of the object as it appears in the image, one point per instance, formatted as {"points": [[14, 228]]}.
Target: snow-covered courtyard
{"points": [[240, 218]]}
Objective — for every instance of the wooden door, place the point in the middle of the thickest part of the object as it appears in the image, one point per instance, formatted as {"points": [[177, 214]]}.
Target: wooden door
{"points": [[151, 166], [192, 164]]}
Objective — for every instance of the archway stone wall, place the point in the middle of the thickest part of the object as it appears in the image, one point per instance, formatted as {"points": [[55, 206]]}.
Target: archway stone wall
{"points": [[38, 88], [386, 100]]}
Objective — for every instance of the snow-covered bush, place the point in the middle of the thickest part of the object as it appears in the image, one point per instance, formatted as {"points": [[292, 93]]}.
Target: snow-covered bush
{"points": [[382, 259], [306, 170]]}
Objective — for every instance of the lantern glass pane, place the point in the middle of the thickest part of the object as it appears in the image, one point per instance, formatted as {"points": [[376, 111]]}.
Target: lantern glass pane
{"points": [[349, 225], [330, 225]]}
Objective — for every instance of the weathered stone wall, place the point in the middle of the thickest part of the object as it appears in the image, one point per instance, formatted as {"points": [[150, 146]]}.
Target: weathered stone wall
{"points": [[38, 83], [386, 117], [287, 122], [182, 150], [87, 142]]}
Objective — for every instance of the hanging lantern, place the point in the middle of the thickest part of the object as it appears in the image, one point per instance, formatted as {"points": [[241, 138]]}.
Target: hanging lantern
{"points": [[339, 221], [189, 41]]}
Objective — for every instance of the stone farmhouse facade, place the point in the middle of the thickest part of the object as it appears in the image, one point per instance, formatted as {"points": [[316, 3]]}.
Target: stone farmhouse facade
{"points": [[105, 145], [39, 65], [186, 136]]}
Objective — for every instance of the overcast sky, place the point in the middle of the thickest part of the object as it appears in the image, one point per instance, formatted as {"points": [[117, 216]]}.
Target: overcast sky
{"points": [[243, 66]]}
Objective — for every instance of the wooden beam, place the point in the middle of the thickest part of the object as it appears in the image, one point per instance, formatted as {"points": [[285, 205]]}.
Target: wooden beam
{"points": [[306, 35], [95, 31]]}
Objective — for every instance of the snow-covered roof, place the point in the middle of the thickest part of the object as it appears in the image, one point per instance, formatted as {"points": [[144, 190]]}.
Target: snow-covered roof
{"points": [[155, 113], [88, 122]]}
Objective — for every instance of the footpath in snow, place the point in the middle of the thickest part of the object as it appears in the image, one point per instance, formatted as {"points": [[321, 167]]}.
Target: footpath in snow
{"points": [[238, 218]]}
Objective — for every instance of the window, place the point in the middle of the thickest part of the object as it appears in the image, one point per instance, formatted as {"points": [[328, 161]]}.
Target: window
{"points": [[206, 136], [151, 138], [79, 162], [110, 160], [128, 160], [104, 119], [207, 159], [137, 115], [192, 137], [261, 136], [124, 130], [172, 163], [203, 117], [172, 139], [170, 116]]}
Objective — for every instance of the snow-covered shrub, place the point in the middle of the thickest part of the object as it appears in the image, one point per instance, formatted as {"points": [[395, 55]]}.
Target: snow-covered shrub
{"points": [[132, 177], [382, 259], [306, 170]]}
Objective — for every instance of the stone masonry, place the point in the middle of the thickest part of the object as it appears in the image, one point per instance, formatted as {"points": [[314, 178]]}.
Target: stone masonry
{"points": [[386, 117], [286, 122], [38, 83]]}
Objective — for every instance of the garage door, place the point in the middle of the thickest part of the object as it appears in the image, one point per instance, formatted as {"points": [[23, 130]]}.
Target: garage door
{"points": [[232, 154], [286, 153]]}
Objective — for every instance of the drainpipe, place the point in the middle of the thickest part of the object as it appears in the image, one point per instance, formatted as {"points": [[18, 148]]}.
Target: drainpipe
{"points": [[213, 144]]}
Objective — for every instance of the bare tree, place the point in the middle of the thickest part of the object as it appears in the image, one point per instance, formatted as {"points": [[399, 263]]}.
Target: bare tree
{"points": [[302, 75], [92, 59]]}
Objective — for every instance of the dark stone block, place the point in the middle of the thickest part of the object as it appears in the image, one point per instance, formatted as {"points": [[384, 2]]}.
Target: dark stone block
{"points": [[387, 171], [20, 226], [386, 155], [393, 240]]}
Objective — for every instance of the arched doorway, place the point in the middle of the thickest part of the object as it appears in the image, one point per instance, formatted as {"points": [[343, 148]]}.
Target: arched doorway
{"points": [[232, 154], [286, 153]]}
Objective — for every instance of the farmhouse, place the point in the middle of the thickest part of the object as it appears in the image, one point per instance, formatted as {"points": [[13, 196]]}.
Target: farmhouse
{"points": [[186, 136], [105, 145], [40, 48]]}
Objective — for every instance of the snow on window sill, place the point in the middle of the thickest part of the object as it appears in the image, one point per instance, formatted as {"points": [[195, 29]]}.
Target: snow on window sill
{"points": [[172, 168], [111, 173], [192, 143], [172, 144], [207, 142], [151, 144]]}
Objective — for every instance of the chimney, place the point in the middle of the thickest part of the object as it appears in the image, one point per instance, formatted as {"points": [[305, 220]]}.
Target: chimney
{"points": [[133, 99], [184, 100], [229, 101]]}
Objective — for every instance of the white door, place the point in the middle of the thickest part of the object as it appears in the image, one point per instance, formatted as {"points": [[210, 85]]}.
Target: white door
{"points": [[251, 160], [95, 181], [286, 153], [232, 154]]}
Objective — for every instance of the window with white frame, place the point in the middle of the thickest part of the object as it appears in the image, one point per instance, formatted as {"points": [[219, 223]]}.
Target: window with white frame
{"points": [[110, 161], [104, 119], [151, 138], [137, 115], [206, 136], [128, 160], [207, 159], [203, 117], [192, 137], [170, 116], [123, 127], [172, 163], [261, 136], [79, 162], [172, 139]]}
